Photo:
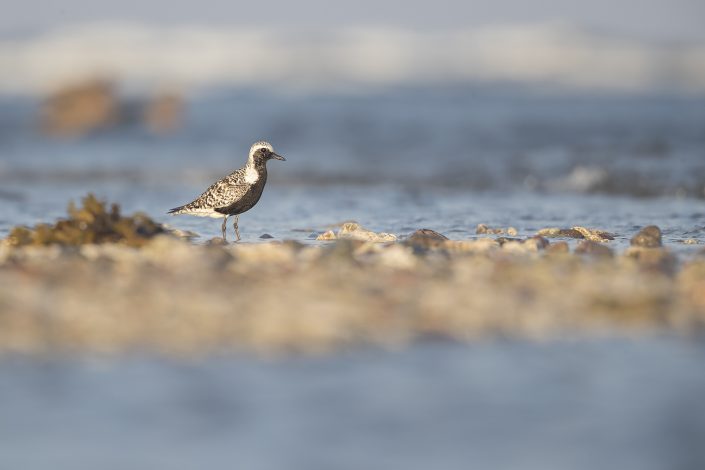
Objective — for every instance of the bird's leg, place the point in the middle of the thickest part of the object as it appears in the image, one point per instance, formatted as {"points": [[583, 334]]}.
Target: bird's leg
{"points": [[225, 220], [237, 230]]}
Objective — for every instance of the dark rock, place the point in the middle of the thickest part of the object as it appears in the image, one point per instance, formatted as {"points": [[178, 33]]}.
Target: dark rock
{"points": [[164, 113], [648, 237], [654, 259], [426, 238], [266, 235], [539, 241], [79, 109], [588, 247], [503, 240]]}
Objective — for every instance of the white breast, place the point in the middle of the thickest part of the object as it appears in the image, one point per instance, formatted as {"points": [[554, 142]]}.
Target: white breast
{"points": [[251, 175]]}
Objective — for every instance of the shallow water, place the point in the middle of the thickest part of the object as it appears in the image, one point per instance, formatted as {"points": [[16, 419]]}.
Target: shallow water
{"points": [[604, 403], [296, 212], [394, 161]]}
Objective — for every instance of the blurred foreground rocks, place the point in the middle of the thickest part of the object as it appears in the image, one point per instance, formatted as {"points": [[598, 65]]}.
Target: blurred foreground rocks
{"points": [[170, 296], [94, 105]]}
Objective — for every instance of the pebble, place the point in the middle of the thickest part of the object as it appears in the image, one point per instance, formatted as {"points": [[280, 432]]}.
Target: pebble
{"points": [[593, 248], [648, 237], [484, 229], [327, 235], [558, 247], [426, 238], [355, 231]]}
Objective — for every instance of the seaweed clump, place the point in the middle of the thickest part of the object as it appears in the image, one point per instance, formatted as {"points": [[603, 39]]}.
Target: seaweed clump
{"points": [[93, 223]]}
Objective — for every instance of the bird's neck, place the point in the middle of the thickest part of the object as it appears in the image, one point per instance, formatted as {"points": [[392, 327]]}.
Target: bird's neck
{"points": [[257, 166]]}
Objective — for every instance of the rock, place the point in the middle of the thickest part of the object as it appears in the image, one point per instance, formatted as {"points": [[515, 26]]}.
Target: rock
{"points": [[536, 243], [593, 248], [426, 239], [657, 259], [342, 251], [483, 229], [576, 232], [326, 236], [256, 254], [266, 236], [481, 245], [79, 109], [397, 256], [690, 241], [184, 234], [503, 240], [529, 245], [648, 237], [92, 223], [558, 248], [352, 230], [163, 113], [594, 235]]}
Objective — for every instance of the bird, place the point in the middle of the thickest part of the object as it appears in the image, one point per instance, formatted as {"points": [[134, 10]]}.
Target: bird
{"points": [[236, 193]]}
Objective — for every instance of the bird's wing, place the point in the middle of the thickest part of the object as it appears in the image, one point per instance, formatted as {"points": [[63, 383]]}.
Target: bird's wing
{"points": [[222, 193]]}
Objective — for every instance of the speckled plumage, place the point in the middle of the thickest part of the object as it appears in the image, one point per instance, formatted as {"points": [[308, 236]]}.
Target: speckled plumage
{"points": [[236, 193]]}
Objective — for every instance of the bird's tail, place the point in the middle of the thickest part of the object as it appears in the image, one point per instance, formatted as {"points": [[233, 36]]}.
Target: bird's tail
{"points": [[177, 210]]}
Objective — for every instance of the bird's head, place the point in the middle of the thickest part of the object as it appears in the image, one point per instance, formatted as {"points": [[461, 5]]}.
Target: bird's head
{"points": [[262, 151]]}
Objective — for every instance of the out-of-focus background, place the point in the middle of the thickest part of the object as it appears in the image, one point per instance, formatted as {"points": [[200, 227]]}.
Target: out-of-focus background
{"points": [[398, 114]]}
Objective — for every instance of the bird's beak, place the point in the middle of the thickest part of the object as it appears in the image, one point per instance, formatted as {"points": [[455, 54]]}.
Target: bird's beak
{"points": [[278, 157]]}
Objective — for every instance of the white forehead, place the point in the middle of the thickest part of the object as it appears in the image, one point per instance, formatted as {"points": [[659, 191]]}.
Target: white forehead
{"points": [[259, 145]]}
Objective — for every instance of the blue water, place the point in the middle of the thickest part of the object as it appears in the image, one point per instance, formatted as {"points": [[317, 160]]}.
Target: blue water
{"points": [[395, 161], [608, 404]]}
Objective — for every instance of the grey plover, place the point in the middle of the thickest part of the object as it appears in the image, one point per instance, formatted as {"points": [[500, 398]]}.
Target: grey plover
{"points": [[236, 193]]}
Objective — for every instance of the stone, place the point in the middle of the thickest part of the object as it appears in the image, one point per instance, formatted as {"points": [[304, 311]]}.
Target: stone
{"points": [[164, 113], [426, 239], [266, 236], [483, 229], [594, 235], [78, 109], [327, 236], [481, 245], [558, 248], [536, 243], [576, 232], [657, 259], [648, 237], [593, 248], [503, 240], [355, 231]]}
